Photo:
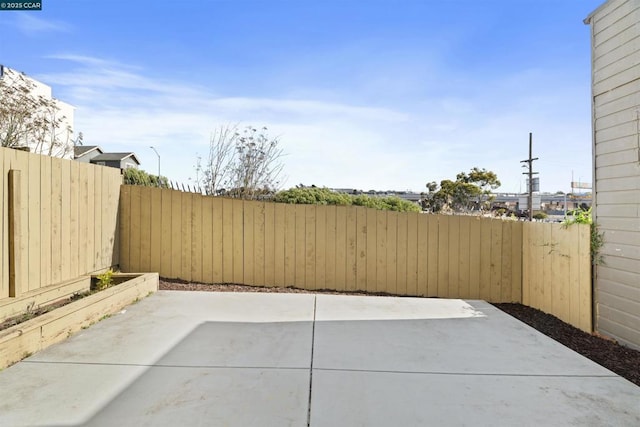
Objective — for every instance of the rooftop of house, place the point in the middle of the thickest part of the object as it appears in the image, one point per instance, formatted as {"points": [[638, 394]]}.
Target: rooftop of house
{"points": [[81, 150], [110, 157]]}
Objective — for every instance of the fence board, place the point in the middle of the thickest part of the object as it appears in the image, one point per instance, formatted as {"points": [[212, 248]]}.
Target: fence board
{"points": [[351, 282], [434, 256], [290, 245], [34, 279], [74, 216], [464, 285], [279, 215], [412, 254], [381, 284], [269, 244], [249, 258], [401, 250], [321, 248], [300, 246], [238, 249], [56, 222], [454, 261], [196, 238], [310, 247], [422, 256], [443, 257], [370, 259], [475, 226], [341, 248], [392, 251], [155, 260], [97, 217], [176, 234], [361, 248], [496, 260], [485, 259], [218, 263], [145, 230], [330, 248]]}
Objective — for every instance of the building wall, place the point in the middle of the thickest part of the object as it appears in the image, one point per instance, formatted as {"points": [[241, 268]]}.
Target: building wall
{"points": [[66, 111], [615, 38]]}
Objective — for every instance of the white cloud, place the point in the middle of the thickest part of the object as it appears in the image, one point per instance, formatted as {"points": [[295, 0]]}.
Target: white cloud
{"points": [[30, 24], [336, 144]]}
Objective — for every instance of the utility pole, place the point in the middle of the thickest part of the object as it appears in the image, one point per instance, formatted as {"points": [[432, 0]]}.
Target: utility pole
{"points": [[530, 173]]}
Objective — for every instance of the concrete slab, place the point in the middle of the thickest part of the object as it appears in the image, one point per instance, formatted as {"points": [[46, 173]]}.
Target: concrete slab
{"points": [[189, 358], [476, 338], [381, 399]]}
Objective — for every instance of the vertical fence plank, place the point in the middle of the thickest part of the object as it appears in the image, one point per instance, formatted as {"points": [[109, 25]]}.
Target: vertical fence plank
{"points": [[125, 226], [474, 257], [330, 248], [392, 253], [310, 247], [90, 217], [485, 260], [97, 217], [34, 279], [505, 261], [435, 255], [166, 252], [187, 236], [65, 221], [218, 265], [381, 252], [401, 248], [176, 234], [300, 247], [574, 278], [361, 248], [269, 244], [496, 260], [464, 266], [444, 257], [516, 261], [15, 234], [423, 255], [196, 237], [586, 296], [145, 229], [527, 245], [238, 249], [249, 252], [207, 239], [341, 248], [258, 243], [279, 216], [547, 281], [155, 261], [321, 247], [135, 240], [56, 222], [412, 254], [370, 249], [290, 244], [351, 269], [74, 215], [452, 290]]}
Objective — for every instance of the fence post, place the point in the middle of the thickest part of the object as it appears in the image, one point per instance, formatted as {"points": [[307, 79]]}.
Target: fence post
{"points": [[15, 235]]}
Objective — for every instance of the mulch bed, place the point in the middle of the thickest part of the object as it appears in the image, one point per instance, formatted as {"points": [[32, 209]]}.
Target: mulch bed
{"points": [[606, 352]]}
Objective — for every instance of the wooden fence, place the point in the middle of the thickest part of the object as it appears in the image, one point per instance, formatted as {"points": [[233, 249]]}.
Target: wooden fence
{"points": [[59, 220], [221, 240]]}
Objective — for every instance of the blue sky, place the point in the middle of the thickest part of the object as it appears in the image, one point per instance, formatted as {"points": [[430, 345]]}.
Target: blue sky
{"points": [[375, 94]]}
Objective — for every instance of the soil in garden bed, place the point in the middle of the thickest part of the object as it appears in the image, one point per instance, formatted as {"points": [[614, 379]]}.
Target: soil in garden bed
{"points": [[32, 313], [619, 359]]}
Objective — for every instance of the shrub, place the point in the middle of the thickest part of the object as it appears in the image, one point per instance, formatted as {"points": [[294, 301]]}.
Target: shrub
{"points": [[133, 176], [325, 196]]}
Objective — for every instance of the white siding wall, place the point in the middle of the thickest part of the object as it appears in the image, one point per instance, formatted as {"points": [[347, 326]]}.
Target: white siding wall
{"points": [[615, 30]]}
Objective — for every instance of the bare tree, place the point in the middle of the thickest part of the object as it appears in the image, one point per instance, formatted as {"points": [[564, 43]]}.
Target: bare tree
{"points": [[244, 163], [31, 120]]}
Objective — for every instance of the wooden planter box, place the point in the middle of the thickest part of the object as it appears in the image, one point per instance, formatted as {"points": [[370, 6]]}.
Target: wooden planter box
{"points": [[26, 338]]}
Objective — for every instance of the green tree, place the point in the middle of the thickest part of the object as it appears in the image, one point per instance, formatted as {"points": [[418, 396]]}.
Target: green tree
{"points": [[133, 176], [469, 191]]}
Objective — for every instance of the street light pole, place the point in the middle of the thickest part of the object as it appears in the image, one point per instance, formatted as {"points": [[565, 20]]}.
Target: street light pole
{"points": [[156, 151]]}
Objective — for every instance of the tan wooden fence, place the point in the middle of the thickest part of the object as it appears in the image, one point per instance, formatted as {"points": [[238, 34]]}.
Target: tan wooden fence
{"points": [[220, 240], [59, 220]]}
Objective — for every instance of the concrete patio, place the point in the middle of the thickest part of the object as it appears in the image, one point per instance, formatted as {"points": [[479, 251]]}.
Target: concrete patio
{"points": [[256, 359]]}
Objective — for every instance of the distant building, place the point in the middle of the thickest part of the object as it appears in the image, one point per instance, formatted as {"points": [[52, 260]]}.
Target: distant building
{"points": [[95, 155], [64, 134]]}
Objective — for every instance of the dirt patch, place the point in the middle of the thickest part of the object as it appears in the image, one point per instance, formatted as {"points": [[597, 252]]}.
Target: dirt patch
{"points": [[619, 359]]}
